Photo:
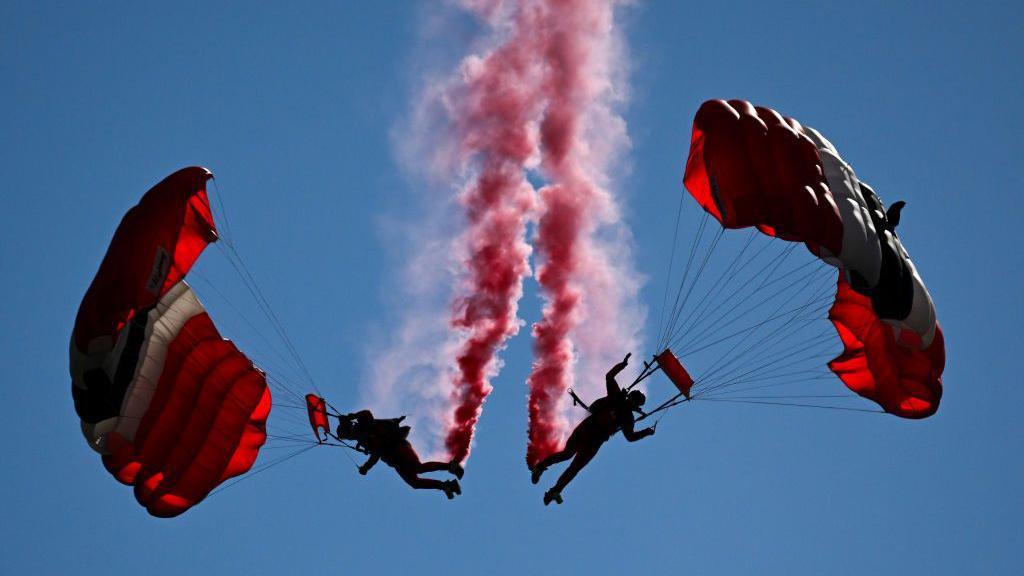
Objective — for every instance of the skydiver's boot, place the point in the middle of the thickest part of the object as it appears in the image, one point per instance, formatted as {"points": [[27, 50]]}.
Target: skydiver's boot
{"points": [[451, 488], [552, 495], [456, 469], [536, 472]]}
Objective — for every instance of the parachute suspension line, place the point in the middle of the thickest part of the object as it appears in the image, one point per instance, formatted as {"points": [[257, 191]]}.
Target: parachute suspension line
{"points": [[730, 359], [338, 442], [276, 380], [682, 329], [791, 328], [733, 378], [714, 324], [686, 272], [230, 251], [671, 265], [263, 468], [748, 329], [280, 376], [229, 237], [678, 398], [811, 375], [282, 459], [794, 396], [664, 407], [772, 370], [793, 323], [662, 410], [796, 405], [696, 279], [802, 376], [292, 418], [291, 406], [649, 369], [788, 373], [254, 289], [303, 439], [196, 273], [719, 307], [720, 323], [775, 315], [283, 368]]}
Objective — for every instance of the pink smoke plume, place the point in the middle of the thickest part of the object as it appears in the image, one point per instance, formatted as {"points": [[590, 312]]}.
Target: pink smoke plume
{"points": [[577, 52], [494, 111], [540, 99]]}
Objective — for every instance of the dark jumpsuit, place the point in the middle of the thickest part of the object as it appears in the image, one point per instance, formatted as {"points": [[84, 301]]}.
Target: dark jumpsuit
{"points": [[608, 415], [387, 440]]}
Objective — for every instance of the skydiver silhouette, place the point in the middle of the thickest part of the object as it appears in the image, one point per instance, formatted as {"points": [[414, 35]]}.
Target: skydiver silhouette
{"points": [[386, 439], [608, 415]]}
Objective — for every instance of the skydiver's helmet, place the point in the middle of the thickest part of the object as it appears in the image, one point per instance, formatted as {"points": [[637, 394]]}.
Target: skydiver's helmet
{"points": [[346, 429], [637, 398]]}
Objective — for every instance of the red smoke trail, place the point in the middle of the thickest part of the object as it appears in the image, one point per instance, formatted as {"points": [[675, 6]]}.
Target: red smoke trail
{"points": [[574, 53], [495, 112], [535, 98]]}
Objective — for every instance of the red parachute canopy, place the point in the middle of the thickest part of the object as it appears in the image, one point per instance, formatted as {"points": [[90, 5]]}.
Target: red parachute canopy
{"points": [[750, 166], [317, 409], [891, 369], [174, 408]]}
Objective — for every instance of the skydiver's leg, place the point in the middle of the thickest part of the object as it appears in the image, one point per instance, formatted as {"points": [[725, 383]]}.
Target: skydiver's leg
{"points": [[579, 436], [407, 455], [432, 467], [584, 454], [407, 463], [571, 446], [418, 483]]}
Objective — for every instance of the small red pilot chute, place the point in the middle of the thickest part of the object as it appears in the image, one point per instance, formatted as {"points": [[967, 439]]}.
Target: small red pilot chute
{"points": [[672, 368], [317, 408]]}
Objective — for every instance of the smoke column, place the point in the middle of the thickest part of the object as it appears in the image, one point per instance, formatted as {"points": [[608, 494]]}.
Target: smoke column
{"points": [[538, 101], [495, 111], [576, 269]]}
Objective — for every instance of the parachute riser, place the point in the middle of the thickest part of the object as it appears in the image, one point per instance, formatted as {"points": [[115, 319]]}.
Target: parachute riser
{"points": [[577, 401], [649, 369], [673, 401]]}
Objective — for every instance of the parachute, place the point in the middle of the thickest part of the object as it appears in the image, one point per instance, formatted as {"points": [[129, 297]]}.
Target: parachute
{"points": [[173, 408], [751, 167]]}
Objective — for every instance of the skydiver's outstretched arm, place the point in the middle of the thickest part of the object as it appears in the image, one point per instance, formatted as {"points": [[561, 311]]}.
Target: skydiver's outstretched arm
{"points": [[370, 463], [631, 434], [609, 380]]}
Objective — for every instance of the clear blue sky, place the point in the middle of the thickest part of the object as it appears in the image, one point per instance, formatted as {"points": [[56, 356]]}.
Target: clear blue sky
{"points": [[294, 110]]}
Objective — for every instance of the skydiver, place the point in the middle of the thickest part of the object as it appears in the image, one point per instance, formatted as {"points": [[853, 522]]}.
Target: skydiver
{"points": [[386, 439], [608, 415]]}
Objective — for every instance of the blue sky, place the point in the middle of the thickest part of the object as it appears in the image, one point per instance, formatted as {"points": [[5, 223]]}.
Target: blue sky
{"points": [[296, 109]]}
